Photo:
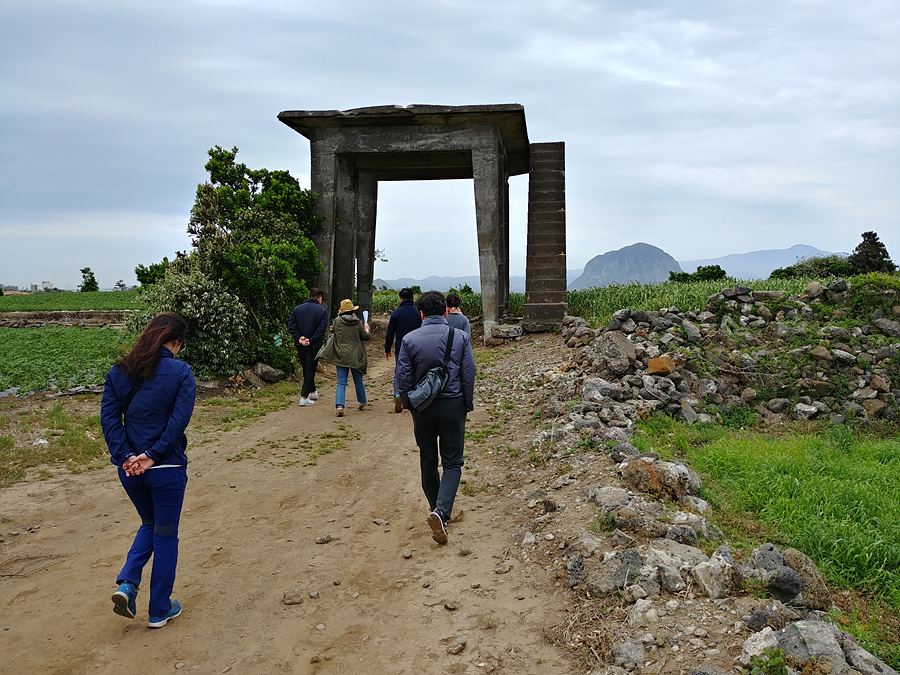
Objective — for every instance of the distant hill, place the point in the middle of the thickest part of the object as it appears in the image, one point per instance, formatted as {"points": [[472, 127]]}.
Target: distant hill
{"points": [[756, 264], [641, 263]]}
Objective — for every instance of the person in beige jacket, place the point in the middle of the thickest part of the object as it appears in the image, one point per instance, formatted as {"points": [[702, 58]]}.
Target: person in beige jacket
{"points": [[345, 350]]}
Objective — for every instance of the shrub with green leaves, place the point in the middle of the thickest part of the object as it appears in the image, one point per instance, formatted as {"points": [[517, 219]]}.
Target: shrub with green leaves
{"points": [[816, 267], [873, 292], [217, 321]]}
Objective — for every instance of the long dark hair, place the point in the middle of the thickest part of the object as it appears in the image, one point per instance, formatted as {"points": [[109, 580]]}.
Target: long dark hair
{"points": [[140, 362]]}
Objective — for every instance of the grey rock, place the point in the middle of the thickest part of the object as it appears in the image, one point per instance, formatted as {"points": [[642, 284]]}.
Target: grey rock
{"points": [[614, 352], [860, 659], [715, 578], [640, 613], [888, 327], [267, 373], [612, 573], [506, 330], [629, 654], [805, 640], [670, 579], [767, 557], [843, 357], [839, 286], [802, 411], [777, 405], [815, 593], [587, 543], [813, 290], [694, 504], [691, 331], [784, 583], [608, 497], [671, 553], [575, 571], [758, 643]]}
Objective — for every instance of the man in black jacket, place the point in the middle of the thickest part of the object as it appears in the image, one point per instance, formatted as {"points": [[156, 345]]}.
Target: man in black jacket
{"points": [[440, 429], [307, 325], [403, 320]]}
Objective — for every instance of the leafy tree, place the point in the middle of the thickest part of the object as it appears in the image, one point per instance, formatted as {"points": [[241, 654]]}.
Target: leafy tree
{"points": [[120, 285], [416, 290], [380, 255], [822, 267], [88, 281], [250, 230], [870, 255], [703, 273], [150, 274]]}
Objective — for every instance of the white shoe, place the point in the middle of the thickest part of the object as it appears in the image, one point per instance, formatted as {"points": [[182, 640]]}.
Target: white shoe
{"points": [[313, 396], [305, 401]]}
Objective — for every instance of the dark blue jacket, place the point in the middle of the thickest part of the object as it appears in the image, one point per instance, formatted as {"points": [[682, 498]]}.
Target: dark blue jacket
{"points": [[403, 320], [309, 319], [424, 348], [157, 417]]}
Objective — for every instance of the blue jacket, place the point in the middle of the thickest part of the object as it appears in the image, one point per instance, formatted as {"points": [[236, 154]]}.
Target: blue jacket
{"points": [[157, 417], [308, 319], [403, 320], [423, 348]]}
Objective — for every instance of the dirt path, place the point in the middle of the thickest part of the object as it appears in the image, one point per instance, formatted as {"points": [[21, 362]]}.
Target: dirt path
{"points": [[249, 535]]}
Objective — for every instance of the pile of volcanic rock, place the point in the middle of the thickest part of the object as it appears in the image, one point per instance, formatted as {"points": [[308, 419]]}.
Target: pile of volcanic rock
{"points": [[682, 362]]}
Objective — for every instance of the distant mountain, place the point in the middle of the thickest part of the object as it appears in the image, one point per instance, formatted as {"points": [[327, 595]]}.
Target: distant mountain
{"points": [[436, 283], [756, 264], [641, 263]]}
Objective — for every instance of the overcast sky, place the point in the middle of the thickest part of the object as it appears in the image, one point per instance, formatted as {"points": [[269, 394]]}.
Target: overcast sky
{"points": [[704, 128]]}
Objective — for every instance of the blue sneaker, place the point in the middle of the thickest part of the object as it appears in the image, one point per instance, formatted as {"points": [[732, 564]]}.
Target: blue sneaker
{"points": [[160, 621], [125, 600]]}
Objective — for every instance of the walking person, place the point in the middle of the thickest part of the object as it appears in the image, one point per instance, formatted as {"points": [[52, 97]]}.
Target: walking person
{"points": [[440, 428], [307, 325], [455, 317], [346, 351], [147, 403], [404, 319]]}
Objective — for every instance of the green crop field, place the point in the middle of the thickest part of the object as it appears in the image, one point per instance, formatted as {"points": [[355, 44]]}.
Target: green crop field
{"points": [[69, 301], [41, 358], [597, 305]]}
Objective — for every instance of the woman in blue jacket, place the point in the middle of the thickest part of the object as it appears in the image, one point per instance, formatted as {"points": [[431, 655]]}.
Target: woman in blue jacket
{"points": [[147, 404]]}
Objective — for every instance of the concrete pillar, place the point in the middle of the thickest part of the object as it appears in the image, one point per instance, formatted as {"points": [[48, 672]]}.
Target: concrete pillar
{"points": [[545, 262], [504, 243], [344, 231], [488, 202], [323, 165], [366, 209]]}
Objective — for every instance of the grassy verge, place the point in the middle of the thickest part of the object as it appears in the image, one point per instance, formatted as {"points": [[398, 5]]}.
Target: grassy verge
{"points": [[71, 301], [41, 358], [830, 492], [52, 435], [597, 305]]}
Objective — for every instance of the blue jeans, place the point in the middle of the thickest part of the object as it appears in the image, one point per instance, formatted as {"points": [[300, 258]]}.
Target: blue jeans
{"points": [[157, 496], [340, 392]]}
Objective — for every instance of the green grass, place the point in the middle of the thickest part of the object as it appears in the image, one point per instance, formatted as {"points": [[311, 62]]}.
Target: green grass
{"points": [[73, 440], [597, 305], [40, 358], [830, 492], [69, 301]]}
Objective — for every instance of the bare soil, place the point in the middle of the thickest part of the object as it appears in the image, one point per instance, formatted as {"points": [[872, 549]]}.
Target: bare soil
{"points": [[248, 536]]}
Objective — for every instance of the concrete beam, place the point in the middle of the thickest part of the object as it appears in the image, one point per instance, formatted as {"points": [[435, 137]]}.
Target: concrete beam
{"points": [[366, 209]]}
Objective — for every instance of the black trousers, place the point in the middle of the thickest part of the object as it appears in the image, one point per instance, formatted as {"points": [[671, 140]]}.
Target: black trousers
{"points": [[307, 357], [440, 432]]}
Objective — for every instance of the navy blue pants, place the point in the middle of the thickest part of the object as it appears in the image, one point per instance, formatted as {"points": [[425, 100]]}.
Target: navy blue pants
{"points": [[157, 495], [440, 432]]}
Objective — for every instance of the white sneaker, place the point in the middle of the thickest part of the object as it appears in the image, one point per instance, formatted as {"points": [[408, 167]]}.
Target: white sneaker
{"points": [[305, 401], [313, 396]]}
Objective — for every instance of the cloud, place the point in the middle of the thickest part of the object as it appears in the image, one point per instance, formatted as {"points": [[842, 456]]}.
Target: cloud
{"points": [[703, 128]]}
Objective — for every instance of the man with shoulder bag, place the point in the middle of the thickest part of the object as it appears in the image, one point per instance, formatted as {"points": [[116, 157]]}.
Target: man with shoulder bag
{"points": [[435, 377]]}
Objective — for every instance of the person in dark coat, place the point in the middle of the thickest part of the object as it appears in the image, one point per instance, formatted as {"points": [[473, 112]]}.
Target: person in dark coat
{"points": [[147, 403], [307, 324], [404, 319], [440, 429], [455, 317], [346, 349]]}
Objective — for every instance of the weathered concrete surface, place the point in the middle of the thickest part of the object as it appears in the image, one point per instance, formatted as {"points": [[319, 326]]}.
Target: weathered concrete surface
{"points": [[352, 150]]}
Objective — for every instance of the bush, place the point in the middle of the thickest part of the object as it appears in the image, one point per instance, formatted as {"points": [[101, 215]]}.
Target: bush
{"points": [[817, 267], [870, 255], [217, 321], [147, 275], [873, 292], [703, 273]]}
